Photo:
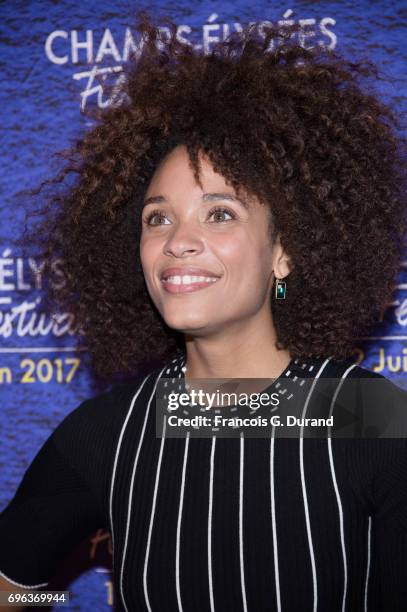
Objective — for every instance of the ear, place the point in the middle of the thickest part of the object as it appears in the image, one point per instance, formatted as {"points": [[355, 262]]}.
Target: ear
{"points": [[280, 260]]}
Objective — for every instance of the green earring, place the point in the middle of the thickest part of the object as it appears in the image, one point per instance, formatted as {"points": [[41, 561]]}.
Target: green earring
{"points": [[281, 289]]}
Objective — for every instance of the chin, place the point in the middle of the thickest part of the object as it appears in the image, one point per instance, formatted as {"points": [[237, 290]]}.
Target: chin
{"points": [[187, 324]]}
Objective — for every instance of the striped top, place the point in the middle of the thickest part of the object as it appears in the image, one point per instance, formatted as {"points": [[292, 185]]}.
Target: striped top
{"points": [[216, 524]]}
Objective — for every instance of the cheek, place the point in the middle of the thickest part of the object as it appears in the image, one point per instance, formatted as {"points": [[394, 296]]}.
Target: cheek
{"points": [[230, 247], [148, 252], [248, 266], [242, 256]]}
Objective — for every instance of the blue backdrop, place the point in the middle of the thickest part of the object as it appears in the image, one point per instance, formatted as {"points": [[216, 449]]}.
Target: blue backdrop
{"points": [[53, 57]]}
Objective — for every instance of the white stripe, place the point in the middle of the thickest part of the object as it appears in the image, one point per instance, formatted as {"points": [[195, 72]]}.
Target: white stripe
{"points": [[150, 528], [338, 497], [241, 522], [118, 452], [369, 533], [181, 501], [132, 476], [25, 586], [273, 520], [210, 524], [304, 491]]}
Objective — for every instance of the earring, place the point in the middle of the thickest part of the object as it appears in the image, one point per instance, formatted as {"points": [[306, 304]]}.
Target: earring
{"points": [[281, 289]]}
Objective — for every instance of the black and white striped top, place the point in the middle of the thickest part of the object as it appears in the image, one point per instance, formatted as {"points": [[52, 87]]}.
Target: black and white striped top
{"points": [[215, 524]]}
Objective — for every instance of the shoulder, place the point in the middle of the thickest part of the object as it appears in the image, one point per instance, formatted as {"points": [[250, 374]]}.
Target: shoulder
{"points": [[350, 374], [103, 415], [370, 436], [381, 391], [365, 403], [98, 420], [347, 368], [371, 412]]}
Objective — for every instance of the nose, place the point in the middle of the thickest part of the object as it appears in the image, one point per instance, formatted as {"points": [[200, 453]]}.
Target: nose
{"points": [[183, 239]]}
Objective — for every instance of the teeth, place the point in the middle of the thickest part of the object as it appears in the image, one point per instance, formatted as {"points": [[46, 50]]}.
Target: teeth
{"points": [[187, 279]]}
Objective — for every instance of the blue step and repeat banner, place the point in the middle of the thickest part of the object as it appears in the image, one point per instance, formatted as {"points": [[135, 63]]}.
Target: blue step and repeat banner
{"points": [[56, 57]]}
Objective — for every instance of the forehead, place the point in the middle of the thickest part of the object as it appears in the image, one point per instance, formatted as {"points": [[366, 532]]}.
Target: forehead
{"points": [[176, 166], [174, 176]]}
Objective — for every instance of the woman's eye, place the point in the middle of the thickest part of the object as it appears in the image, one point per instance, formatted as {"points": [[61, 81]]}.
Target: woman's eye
{"points": [[219, 213], [156, 217], [152, 215]]}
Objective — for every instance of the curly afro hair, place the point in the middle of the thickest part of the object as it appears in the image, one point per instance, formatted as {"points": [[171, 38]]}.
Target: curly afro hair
{"points": [[293, 126]]}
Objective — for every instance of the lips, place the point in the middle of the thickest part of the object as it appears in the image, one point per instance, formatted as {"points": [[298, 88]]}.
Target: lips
{"points": [[187, 271]]}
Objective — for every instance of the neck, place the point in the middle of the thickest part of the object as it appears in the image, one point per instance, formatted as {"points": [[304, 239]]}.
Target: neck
{"points": [[241, 351]]}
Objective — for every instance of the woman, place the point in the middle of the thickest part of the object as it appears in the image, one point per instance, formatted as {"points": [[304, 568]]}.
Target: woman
{"points": [[219, 179]]}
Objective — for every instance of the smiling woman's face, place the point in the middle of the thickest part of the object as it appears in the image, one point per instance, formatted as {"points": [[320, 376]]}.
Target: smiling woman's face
{"points": [[207, 257]]}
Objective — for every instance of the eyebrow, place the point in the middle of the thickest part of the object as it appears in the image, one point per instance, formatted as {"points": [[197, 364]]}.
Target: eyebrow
{"points": [[207, 197]]}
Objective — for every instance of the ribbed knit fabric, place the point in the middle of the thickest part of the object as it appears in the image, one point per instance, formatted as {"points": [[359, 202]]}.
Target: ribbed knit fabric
{"points": [[215, 524]]}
